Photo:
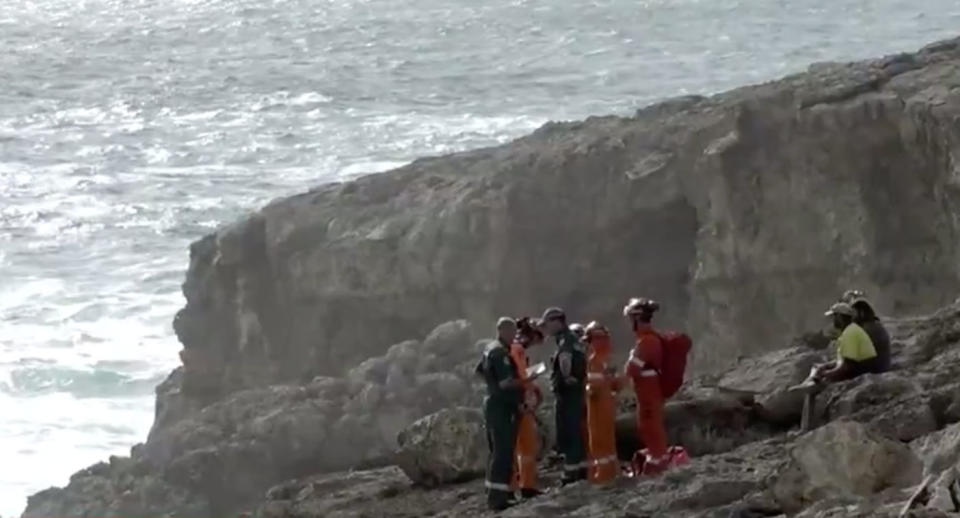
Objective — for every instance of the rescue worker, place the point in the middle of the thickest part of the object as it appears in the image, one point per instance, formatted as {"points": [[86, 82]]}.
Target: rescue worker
{"points": [[867, 318], [643, 368], [855, 351], [578, 331], [568, 376], [500, 413], [602, 386], [528, 442]]}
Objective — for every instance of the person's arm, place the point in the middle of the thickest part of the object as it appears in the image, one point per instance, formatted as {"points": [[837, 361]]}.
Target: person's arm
{"points": [[651, 349], [634, 364], [845, 348], [505, 371], [616, 382], [565, 360], [480, 369], [838, 372], [510, 383], [519, 361]]}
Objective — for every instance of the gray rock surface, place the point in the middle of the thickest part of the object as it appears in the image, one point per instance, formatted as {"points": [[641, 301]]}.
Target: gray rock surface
{"points": [[743, 462], [844, 459], [222, 457], [120, 488], [758, 205], [764, 380], [445, 447]]}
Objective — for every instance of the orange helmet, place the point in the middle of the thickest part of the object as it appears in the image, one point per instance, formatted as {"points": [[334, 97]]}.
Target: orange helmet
{"points": [[640, 305]]}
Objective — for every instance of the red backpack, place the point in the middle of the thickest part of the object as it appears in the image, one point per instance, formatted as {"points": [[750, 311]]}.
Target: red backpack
{"points": [[676, 346]]}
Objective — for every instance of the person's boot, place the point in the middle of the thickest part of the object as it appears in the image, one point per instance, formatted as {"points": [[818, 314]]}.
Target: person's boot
{"points": [[498, 500], [572, 478], [527, 493]]}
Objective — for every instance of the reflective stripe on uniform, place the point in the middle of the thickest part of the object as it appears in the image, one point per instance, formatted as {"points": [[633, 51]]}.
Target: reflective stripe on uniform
{"points": [[649, 373], [497, 486], [594, 376], [605, 460], [637, 361], [658, 460]]}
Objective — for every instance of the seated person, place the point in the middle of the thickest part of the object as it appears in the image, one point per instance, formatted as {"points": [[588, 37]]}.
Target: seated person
{"points": [[867, 319], [855, 352]]}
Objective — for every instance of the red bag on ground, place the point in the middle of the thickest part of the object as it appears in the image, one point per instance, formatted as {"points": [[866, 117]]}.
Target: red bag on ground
{"points": [[678, 456], [676, 347]]}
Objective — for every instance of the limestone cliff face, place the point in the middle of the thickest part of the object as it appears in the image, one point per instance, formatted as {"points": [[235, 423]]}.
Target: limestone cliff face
{"points": [[745, 213]]}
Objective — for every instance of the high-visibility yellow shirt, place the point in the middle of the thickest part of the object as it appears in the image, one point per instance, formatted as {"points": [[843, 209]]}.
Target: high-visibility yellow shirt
{"points": [[854, 344]]}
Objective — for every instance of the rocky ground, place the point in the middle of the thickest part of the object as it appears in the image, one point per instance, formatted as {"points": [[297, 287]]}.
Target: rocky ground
{"points": [[311, 340], [879, 438]]}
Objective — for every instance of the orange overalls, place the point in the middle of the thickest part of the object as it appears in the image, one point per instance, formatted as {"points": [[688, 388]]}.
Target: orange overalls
{"points": [[643, 368], [528, 443], [603, 465]]}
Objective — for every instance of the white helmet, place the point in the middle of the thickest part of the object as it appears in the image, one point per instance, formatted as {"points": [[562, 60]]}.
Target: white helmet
{"points": [[577, 330], [640, 305]]}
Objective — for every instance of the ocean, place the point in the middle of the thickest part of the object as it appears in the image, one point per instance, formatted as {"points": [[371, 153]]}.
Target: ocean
{"points": [[129, 128]]}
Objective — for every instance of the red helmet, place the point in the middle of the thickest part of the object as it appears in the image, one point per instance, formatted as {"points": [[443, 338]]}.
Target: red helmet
{"points": [[640, 305]]}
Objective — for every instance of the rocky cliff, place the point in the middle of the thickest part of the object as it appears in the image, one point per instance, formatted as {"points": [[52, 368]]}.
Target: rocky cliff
{"points": [[745, 213]]}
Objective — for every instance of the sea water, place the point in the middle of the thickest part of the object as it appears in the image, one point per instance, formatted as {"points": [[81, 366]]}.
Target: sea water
{"points": [[129, 128]]}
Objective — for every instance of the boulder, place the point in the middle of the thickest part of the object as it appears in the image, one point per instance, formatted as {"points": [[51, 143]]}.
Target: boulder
{"points": [[939, 451], [371, 370], [702, 426], [404, 355], [767, 377], [450, 340], [945, 491], [123, 488], [448, 446], [331, 495], [437, 390], [843, 459], [894, 405]]}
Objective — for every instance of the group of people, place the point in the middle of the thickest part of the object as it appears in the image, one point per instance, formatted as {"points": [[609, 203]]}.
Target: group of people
{"points": [[584, 383], [863, 344]]}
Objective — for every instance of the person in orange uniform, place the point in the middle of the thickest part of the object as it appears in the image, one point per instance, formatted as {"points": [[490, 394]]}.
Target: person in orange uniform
{"points": [[602, 385], [528, 442], [643, 368]]}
